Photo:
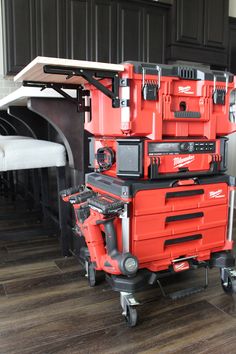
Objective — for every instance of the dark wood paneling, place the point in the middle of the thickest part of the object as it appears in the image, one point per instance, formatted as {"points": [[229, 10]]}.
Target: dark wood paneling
{"points": [[130, 32], [199, 32], [50, 27], [189, 21], [232, 45], [114, 31], [19, 31], [100, 30], [216, 23], [155, 35], [78, 29], [104, 31]]}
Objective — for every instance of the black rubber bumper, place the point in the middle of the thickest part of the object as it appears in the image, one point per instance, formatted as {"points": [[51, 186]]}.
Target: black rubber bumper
{"points": [[142, 280], [129, 284]]}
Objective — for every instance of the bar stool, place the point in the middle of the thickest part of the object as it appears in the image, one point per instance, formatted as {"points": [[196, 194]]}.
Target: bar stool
{"points": [[7, 177], [22, 153]]}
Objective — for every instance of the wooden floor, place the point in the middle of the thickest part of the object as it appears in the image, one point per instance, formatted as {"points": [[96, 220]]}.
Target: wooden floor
{"points": [[46, 306]]}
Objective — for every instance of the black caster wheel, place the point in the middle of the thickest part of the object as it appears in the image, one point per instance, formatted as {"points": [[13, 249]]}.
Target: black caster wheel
{"points": [[131, 316], [229, 286], [91, 275]]}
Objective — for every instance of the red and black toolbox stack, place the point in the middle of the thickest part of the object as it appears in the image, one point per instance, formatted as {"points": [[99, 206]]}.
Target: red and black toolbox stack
{"points": [[159, 200]]}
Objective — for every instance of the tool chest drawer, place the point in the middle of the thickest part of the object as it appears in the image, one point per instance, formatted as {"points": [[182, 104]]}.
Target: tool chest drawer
{"points": [[176, 223], [170, 247], [165, 200]]}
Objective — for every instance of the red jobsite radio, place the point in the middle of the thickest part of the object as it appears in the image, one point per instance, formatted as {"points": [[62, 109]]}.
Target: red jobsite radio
{"points": [[152, 159], [158, 101]]}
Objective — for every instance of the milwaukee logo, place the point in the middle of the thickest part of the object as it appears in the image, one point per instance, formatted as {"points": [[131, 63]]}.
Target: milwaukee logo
{"points": [[217, 194], [179, 267], [183, 161], [185, 89]]}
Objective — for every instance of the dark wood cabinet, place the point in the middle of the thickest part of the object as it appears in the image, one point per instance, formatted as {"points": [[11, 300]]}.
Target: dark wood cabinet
{"points": [[19, 33], [78, 29], [141, 32], [199, 31], [189, 21], [100, 30], [115, 31], [155, 34], [216, 23], [50, 28], [104, 31], [232, 45], [130, 32]]}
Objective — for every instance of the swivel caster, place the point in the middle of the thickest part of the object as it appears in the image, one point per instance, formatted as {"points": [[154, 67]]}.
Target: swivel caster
{"points": [[228, 280], [131, 316], [128, 304], [90, 274]]}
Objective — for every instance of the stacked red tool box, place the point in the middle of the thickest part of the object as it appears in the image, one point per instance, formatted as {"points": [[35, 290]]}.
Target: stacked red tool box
{"points": [[159, 200]]}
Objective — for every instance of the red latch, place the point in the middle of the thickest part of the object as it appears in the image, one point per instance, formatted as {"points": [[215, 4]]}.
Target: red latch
{"points": [[186, 182]]}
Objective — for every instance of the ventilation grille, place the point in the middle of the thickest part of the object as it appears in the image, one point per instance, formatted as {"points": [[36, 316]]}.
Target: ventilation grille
{"points": [[187, 73]]}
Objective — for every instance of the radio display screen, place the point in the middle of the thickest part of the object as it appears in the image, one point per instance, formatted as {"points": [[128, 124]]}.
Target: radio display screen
{"points": [[155, 148]]}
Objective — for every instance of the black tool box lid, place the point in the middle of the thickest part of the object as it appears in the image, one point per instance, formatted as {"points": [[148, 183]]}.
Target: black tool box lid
{"points": [[128, 188], [181, 71]]}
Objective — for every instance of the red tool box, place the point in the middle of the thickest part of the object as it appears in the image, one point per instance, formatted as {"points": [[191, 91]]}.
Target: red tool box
{"points": [[159, 101]]}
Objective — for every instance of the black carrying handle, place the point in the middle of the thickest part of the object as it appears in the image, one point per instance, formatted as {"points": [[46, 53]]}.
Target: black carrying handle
{"points": [[190, 193], [212, 171], [184, 217]]}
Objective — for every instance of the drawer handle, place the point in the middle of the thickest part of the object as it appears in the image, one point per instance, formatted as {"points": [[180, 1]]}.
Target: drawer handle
{"points": [[182, 239], [184, 193], [184, 217], [187, 114]]}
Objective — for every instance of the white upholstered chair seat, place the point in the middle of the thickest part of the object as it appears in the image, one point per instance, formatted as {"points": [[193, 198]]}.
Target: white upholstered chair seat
{"points": [[23, 153]]}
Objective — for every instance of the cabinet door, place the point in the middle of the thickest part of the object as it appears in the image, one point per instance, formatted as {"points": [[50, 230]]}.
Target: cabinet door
{"points": [[188, 15], [78, 31], [232, 45], [103, 21], [155, 35], [50, 28], [130, 32], [216, 23], [19, 33]]}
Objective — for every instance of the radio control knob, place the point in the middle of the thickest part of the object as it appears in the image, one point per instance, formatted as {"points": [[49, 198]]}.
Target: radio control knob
{"points": [[184, 147]]}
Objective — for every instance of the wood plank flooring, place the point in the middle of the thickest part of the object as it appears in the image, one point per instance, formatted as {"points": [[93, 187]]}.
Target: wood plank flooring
{"points": [[47, 307]]}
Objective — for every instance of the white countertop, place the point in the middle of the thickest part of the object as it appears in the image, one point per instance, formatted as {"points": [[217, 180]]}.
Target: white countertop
{"points": [[34, 71], [19, 97]]}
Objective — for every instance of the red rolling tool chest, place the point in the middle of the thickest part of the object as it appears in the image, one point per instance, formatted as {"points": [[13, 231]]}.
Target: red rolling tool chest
{"points": [[158, 200]]}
